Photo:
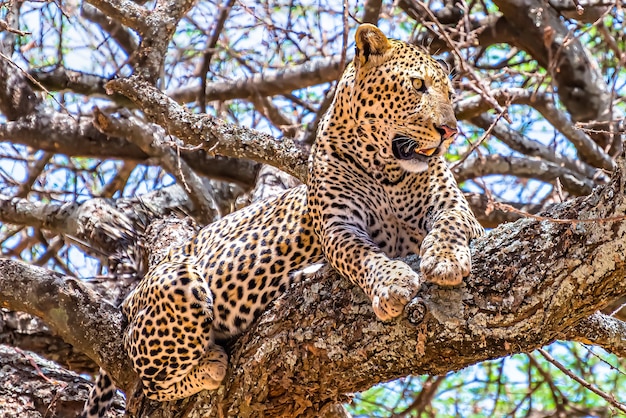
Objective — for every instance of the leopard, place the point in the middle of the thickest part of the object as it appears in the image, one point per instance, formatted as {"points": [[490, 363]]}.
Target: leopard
{"points": [[378, 189]]}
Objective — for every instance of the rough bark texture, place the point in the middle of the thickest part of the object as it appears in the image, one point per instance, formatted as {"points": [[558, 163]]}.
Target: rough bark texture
{"points": [[532, 282], [31, 387]]}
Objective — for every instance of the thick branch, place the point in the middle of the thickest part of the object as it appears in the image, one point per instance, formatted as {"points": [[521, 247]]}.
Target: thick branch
{"points": [[602, 330], [78, 315], [127, 12], [105, 224], [532, 282], [77, 136], [523, 168], [33, 387], [95, 221], [214, 135], [26, 332], [63, 79], [579, 81]]}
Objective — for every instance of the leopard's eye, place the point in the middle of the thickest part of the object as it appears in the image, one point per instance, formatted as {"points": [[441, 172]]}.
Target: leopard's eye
{"points": [[418, 84]]}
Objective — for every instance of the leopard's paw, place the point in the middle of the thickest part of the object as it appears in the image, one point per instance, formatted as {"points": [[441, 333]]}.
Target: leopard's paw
{"points": [[215, 364], [395, 285], [446, 266]]}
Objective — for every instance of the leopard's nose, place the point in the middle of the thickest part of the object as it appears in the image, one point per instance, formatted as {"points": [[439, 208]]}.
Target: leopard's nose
{"points": [[446, 131]]}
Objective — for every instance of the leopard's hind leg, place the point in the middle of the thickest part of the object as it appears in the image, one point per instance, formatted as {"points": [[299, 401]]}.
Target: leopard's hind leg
{"points": [[169, 336]]}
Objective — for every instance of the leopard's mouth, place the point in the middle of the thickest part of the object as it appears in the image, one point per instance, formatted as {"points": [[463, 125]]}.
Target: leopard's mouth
{"points": [[405, 148]]}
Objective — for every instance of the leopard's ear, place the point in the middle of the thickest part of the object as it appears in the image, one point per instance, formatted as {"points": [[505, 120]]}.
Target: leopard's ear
{"points": [[371, 45]]}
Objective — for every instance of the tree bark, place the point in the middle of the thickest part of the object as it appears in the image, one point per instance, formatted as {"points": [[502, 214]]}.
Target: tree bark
{"points": [[32, 387], [533, 281]]}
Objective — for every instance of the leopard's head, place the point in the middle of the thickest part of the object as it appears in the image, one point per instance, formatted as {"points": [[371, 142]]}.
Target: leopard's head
{"points": [[401, 96]]}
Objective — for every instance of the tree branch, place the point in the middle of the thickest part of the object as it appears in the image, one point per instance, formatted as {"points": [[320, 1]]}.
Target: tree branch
{"points": [[321, 339], [118, 32], [523, 168], [127, 12], [74, 312], [577, 75], [63, 79], [268, 83], [26, 332], [490, 216], [77, 136], [588, 150], [17, 98], [147, 136], [603, 330], [33, 387], [520, 143], [215, 136]]}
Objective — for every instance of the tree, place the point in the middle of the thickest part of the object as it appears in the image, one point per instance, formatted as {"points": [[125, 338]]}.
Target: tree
{"points": [[120, 115]]}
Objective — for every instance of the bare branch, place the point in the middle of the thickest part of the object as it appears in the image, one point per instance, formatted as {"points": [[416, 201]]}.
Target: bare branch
{"points": [[122, 36], [29, 333], [268, 83], [275, 116], [127, 12], [523, 168], [577, 75], [609, 398], [77, 136], [95, 221], [588, 150], [520, 143], [210, 51], [214, 135], [80, 316], [33, 387], [587, 11], [491, 216], [62, 79], [146, 137]]}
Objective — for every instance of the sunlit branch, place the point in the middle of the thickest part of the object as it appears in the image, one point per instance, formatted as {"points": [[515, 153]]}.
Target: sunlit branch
{"points": [[518, 142], [214, 135], [523, 168], [77, 136], [267, 83], [126, 12], [588, 150], [149, 138], [603, 330]]}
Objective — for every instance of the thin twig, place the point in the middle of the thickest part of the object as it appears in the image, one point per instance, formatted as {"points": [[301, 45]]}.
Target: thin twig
{"points": [[609, 398]]}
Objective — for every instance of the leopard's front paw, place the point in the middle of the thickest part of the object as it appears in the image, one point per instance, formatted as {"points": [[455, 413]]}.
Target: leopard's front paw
{"points": [[394, 286], [444, 265]]}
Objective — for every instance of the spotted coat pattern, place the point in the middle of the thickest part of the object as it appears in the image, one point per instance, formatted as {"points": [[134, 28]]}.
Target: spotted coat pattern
{"points": [[378, 189]]}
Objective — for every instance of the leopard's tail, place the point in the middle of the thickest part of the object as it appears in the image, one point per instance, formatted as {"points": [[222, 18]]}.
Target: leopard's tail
{"points": [[100, 397]]}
